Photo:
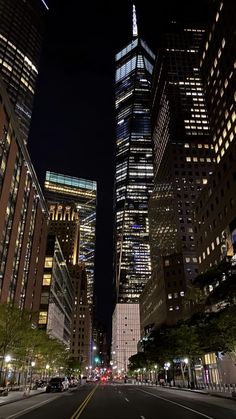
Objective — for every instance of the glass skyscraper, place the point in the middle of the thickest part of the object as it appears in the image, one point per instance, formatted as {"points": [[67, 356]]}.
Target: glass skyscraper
{"points": [[134, 168], [83, 193], [133, 186], [21, 29]]}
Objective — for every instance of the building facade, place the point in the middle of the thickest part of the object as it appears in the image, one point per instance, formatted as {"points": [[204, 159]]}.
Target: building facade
{"points": [[183, 160], [23, 216], [125, 336], [133, 184], [64, 223], [57, 296], [215, 211], [81, 342], [62, 189], [21, 23]]}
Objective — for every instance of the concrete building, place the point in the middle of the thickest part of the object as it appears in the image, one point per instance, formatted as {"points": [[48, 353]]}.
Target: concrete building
{"points": [[133, 184], [183, 161], [23, 216], [22, 25], [57, 296], [125, 335]]}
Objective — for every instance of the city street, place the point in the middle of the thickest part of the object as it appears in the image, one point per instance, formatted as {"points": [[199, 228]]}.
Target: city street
{"points": [[118, 401]]}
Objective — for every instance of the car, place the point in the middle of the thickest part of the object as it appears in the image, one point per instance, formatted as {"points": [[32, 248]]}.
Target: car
{"points": [[57, 384]]}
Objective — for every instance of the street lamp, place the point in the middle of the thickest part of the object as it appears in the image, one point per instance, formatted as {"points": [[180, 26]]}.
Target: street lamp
{"points": [[166, 368], [7, 359], [33, 363]]}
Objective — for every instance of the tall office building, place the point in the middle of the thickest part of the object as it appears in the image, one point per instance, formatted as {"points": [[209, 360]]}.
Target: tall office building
{"points": [[83, 194], [23, 216], [21, 28], [57, 295], [216, 207], [183, 161], [64, 223], [133, 185]]}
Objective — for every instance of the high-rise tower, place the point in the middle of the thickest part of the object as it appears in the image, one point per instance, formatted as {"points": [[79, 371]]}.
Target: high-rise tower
{"points": [[133, 185], [21, 28], [83, 194], [183, 161], [134, 169]]}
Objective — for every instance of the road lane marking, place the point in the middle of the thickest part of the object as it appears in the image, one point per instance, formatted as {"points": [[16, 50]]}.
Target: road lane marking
{"points": [[178, 404], [126, 399], [142, 417], [16, 415], [82, 406]]}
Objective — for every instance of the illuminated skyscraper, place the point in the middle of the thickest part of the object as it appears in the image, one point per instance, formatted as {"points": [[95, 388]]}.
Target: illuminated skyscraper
{"points": [[183, 162], [134, 169], [133, 185], [21, 28], [83, 194]]}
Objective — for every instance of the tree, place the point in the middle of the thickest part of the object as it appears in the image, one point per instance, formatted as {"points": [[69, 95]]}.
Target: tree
{"points": [[137, 361]]}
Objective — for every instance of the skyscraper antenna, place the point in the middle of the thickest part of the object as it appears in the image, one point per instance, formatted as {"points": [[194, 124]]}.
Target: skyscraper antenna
{"points": [[135, 27]]}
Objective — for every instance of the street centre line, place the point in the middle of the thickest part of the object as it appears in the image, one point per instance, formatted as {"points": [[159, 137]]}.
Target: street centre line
{"points": [[81, 407], [178, 404], [16, 415]]}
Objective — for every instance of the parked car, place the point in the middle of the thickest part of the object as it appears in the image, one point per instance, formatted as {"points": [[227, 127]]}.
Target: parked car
{"points": [[57, 384]]}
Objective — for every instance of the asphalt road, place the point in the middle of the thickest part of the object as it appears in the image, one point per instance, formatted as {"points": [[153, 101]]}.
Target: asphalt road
{"points": [[117, 401]]}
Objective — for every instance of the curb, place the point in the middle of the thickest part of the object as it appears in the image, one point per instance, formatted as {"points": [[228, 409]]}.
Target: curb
{"points": [[20, 398]]}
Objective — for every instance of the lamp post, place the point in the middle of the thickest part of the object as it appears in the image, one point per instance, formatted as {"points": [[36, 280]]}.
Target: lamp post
{"points": [[155, 366], [31, 372], [47, 371], [7, 359], [186, 361], [166, 368]]}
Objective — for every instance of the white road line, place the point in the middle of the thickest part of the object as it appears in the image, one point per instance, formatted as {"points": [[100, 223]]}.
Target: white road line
{"points": [[178, 404], [127, 400], [16, 415], [142, 417]]}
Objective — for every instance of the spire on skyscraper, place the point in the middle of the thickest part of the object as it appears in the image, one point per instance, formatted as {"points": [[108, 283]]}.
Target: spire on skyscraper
{"points": [[135, 27]]}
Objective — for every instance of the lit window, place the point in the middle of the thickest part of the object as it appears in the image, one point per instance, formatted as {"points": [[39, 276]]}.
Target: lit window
{"points": [[43, 317], [47, 279], [223, 43], [48, 262], [171, 309], [217, 240], [182, 293], [176, 295], [204, 181], [169, 296]]}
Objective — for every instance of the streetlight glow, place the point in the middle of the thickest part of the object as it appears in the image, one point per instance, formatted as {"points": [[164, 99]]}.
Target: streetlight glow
{"points": [[7, 358]]}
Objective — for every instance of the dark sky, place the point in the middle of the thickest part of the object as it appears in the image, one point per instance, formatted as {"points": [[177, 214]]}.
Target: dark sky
{"points": [[72, 130]]}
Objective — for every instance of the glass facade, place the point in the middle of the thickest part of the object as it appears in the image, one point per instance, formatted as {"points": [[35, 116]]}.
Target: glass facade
{"points": [[21, 27], [134, 169], [83, 193]]}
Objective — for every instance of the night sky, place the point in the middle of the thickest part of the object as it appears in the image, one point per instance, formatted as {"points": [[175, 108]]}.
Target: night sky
{"points": [[73, 127]]}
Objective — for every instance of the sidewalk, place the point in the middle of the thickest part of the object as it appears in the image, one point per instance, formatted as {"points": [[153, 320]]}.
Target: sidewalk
{"points": [[224, 395], [14, 396]]}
